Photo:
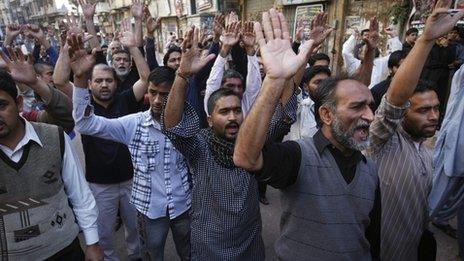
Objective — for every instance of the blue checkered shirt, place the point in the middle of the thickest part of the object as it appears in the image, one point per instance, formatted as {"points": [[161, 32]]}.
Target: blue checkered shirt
{"points": [[161, 180]]}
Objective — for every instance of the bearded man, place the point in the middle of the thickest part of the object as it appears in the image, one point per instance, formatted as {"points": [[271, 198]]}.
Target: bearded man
{"points": [[330, 191]]}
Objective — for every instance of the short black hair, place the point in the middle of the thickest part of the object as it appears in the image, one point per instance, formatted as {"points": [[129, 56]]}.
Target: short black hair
{"points": [[411, 31], [325, 94], [395, 58], [39, 68], [424, 86], [364, 31], [317, 57], [230, 73], [104, 67], [216, 95], [172, 49], [162, 74], [312, 71], [7, 84]]}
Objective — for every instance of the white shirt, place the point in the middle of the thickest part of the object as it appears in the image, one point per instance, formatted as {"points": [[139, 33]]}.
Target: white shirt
{"points": [[75, 185], [380, 70], [305, 125], [253, 82]]}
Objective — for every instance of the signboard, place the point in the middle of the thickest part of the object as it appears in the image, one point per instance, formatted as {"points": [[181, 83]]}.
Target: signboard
{"points": [[298, 2], [304, 15], [204, 4]]}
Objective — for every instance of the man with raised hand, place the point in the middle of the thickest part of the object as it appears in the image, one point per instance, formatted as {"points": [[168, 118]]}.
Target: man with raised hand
{"points": [[226, 221], [407, 115], [42, 187], [330, 191]]}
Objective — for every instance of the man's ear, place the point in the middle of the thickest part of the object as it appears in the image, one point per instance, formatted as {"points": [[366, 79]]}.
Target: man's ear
{"points": [[210, 121], [326, 115], [19, 102]]}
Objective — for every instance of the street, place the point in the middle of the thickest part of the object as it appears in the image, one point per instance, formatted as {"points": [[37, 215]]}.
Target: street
{"points": [[447, 247]]}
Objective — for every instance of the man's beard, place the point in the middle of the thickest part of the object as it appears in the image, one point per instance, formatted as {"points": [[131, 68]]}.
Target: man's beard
{"points": [[122, 73], [346, 137]]}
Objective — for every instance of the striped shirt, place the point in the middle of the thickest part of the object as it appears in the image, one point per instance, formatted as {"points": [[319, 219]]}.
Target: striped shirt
{"points": [[405, 172]]}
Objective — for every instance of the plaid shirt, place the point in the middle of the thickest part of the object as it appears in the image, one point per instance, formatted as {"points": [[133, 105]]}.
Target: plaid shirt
{"points": [[161, 180]]}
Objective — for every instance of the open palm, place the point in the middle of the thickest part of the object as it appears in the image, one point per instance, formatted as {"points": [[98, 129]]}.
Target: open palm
{"points": [[21, 71], [87, 9], [192, 61], [440, 21], [319, 28], [231, 35], [127, 39], [279, 60], [81, 62]]}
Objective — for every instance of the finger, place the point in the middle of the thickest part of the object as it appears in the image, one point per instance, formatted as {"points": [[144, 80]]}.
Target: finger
{"points": [[195, 37], [275, 23], [237, 28], [19, 54], [5, 58], [208, 58], [259, 34], [267, 26], [12, 54], [80, 42], [283, 24]]}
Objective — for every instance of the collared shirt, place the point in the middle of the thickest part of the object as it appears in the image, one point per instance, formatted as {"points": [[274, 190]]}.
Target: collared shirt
{"points": [[76, 187], [161, 179], [405, 174], [253, 82]]}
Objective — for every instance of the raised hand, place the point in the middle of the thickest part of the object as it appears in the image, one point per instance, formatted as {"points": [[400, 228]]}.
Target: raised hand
{"points": [[192, 61], [34, 31], [137, 9], [218, 26], [299, 35], [20, 69], [152, 24], [12, 31], [440, 22], [126, 37], [87, 9], [231, 35], [81, 62], [319, 28], [73, 25], [373, 39], [232, 18], [280, 62], [248, 37]]}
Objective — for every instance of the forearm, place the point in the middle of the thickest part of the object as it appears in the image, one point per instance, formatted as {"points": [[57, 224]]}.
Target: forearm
{"points": [[253, 131], [91, 30], [61, 74], [138, 32], [175, 104], [58, 110], [364, 73], [215, 77], [406, 78], [151, 52], [140, 63], [42, 89]]}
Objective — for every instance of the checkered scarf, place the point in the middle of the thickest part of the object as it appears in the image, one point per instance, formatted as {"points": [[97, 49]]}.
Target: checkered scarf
{"points": [[222, 150]]}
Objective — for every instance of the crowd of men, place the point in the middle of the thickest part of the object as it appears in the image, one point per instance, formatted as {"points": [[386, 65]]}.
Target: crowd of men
{"points": [[365, 160]]}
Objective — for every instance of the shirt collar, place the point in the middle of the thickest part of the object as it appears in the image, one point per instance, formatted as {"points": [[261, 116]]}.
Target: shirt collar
{"points": [[148, 120], [29, 135], [321, 142]]}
